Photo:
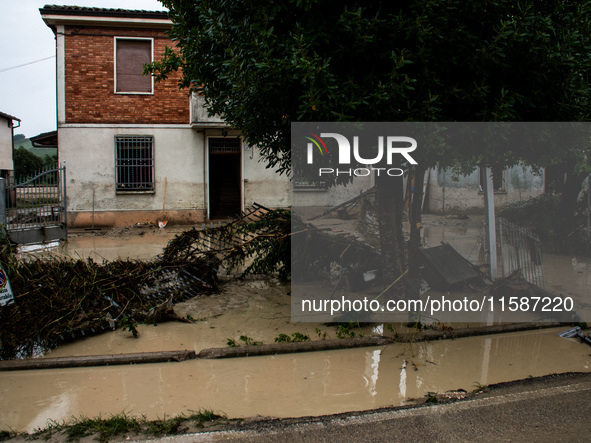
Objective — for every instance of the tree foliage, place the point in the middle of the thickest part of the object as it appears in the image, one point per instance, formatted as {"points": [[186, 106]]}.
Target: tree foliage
{"points": [[263, 64], [26, 163]]}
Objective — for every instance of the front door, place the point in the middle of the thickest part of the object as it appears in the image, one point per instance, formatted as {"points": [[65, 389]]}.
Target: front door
{"points": [[224, 177]]}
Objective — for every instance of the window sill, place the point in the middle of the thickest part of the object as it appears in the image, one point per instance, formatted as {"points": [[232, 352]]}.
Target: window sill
{"points": [[310, 190], [130, 192], [133, 93], [495, 192]]}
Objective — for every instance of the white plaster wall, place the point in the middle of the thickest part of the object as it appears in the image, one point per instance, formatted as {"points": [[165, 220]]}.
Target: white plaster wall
{"points": [[333, 196], [199, 114], [89, 153], [448, 195], [5, 145], [261, 185]]}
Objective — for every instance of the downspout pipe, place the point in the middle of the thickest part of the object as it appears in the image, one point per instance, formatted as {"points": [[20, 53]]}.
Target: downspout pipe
{"points": [[12, 127]]}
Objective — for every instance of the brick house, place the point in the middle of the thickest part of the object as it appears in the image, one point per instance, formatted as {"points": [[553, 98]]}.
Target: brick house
{"points": [[132, 145]]}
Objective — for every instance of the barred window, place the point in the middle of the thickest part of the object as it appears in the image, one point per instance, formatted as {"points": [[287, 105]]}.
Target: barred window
{"points": [[134, 163]]}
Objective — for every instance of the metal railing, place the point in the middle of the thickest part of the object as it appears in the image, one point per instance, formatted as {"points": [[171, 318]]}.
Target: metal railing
{"points": [[520, 249]]}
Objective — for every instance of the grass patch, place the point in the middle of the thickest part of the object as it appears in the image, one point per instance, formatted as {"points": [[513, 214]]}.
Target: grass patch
{"points": [[295, 337], [104, 428], [480, 387], [345, 330], [171, 426], [5, 435], [116, 426], [203, 415], [248, 341], [431, 397]]}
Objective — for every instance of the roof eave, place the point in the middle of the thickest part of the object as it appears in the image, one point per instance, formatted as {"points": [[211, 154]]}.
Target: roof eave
{"points": [[116, 18], [9, 117]]}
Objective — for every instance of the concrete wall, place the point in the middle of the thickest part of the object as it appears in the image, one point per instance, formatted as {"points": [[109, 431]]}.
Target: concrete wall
{"points": [[261, 185], [463, 194], [6, 144], [332, 196], [199, 113], [89, 153]]}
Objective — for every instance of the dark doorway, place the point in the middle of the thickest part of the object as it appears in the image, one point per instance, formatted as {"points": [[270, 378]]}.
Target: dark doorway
{"points": [[224, 177]]}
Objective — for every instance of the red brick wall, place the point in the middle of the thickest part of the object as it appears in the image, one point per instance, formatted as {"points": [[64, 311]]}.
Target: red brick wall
{"points": [[90, 81]]}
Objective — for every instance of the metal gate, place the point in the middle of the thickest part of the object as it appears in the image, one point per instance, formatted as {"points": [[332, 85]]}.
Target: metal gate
{"points": [[520, 249], [35, 208]]}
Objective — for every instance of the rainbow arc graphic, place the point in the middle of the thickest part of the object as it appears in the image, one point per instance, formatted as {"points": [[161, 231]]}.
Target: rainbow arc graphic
{"points": [[317, 141]]}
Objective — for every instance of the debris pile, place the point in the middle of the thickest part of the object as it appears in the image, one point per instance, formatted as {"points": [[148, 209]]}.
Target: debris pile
{"points": [[257, 243], [59, 299], [63, 299]]}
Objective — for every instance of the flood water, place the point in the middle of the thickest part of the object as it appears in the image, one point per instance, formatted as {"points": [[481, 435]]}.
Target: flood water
{"points": [[285, 385]]}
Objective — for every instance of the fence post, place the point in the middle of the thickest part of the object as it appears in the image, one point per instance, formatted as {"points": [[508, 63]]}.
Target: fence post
{"points": [[491, 238], [3, 204], [589, 214], [64, 201]]}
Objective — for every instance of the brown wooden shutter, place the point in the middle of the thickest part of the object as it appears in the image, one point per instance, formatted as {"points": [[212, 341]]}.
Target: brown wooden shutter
{"points": [[131, 57]]}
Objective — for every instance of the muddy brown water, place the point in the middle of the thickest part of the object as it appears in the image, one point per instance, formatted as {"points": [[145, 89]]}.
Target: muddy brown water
{"points": [[285, 385]]}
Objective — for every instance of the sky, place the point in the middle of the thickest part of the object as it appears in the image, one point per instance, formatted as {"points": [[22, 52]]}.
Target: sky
{"points": [[28, 92]]}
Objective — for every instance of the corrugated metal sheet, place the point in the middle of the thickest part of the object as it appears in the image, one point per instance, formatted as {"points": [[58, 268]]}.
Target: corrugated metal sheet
{"points": [[444, 267]]}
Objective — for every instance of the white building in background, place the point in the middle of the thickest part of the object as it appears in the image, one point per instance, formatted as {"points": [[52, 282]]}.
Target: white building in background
{"points": [[446, 193], [7, 125]]}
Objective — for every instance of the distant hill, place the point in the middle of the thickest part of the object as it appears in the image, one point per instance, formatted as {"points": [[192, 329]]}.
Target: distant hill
{"points": [[39, 152]]}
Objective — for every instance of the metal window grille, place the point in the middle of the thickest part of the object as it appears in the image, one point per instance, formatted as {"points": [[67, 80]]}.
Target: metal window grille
{"points": [[135, 163], [224, 145]]}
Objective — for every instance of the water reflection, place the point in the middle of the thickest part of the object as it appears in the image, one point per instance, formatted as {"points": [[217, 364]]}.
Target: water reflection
{"points": [[285, 385]]}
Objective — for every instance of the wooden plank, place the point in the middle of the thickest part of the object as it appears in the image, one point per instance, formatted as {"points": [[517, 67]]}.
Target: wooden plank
{"points": [[288, 348], [96, 360], [270, 349], [348, 343]]}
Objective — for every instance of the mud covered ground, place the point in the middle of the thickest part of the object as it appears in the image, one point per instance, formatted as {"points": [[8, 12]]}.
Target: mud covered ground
{"points": [[258, 310]]}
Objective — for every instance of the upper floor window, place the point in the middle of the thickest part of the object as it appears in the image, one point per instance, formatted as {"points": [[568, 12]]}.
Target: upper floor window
{"points": [[131, 54]]}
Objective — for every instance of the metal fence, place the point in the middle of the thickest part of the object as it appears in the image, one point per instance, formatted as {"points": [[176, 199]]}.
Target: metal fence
{"points": [[520, 249], [35, 207]]}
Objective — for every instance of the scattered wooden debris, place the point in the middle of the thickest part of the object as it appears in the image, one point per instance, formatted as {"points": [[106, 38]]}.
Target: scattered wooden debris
{"points": [[59, 299]]}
